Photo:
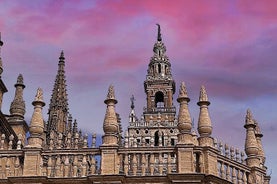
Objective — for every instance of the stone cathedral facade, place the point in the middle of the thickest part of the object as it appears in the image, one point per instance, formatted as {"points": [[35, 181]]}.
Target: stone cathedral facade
{"points": [[159, 147]]}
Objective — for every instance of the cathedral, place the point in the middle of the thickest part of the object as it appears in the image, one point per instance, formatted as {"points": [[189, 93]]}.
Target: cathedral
{"points": [[161, 146]]}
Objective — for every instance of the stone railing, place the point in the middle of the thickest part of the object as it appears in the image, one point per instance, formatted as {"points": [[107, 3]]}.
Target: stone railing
{"points": [[148, 161], [232, 171], [70, 162], [11, 159], [231, 163], [230, 152]]}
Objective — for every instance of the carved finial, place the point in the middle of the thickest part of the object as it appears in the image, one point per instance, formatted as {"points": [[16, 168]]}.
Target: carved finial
{"points": [[36, 127], [203, 95], [132, 102], [61, 56], [110, 125], [39, 95], [249, 117], [110, 95], [19, 80], [159, 38], [184, 119], [17, 108], [204, 120], [183, 94]]}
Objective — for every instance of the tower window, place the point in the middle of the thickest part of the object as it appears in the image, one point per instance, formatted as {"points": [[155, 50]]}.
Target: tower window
{"points": [[159, 99], [172, 142], [159, 68], [156, 143], [197, 162]]}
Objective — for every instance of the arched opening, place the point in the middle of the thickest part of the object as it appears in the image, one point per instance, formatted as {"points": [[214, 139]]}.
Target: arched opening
{"points": [[156, 143], [197, 162], [159, 99], [159, 68]]}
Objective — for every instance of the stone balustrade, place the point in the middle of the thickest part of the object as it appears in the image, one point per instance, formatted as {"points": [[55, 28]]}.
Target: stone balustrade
{"points": [[231, 163], [147, 161], [79, 163], [11, 163], [230, 152], [232, 171]]}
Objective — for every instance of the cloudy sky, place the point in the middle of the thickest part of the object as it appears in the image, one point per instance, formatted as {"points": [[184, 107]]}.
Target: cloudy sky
{"points": [[228, 46]]}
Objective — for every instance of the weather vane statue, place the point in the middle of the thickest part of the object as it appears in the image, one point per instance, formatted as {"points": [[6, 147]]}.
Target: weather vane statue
{"points": [[159, 32], [132, 102]]}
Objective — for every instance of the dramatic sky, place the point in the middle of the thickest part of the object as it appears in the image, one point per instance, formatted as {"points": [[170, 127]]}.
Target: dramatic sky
{"points": [[229, 46]]}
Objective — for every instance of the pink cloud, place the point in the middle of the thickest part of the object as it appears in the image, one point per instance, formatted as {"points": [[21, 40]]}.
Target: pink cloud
{"points": [[228, 46]]}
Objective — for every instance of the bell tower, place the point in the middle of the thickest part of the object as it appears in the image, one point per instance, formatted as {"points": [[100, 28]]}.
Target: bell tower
{"points": [[159, 85], [158, 125]]}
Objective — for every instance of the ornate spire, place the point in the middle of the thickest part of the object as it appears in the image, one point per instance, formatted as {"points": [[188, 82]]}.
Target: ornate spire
{"points": [[159, 37], [37, 124], [17, 108], [204, 121], [159, 72], [251, 145], [110, 126], [159, 66], [58, 108], [184, 120]]}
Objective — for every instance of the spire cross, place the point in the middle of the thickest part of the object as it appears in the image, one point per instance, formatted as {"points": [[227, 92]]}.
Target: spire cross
{"points": [[132, 102], [159, 32]]}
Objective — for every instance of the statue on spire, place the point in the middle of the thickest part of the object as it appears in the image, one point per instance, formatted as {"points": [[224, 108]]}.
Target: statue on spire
{"points": [[132, 102], [159, 33]]}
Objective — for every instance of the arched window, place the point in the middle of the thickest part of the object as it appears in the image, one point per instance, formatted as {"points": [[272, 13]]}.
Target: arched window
{"points": [[159, 99], [159, 68], [156, 143]]}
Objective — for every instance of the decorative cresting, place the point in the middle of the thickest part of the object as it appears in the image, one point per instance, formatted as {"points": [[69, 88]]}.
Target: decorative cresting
{"points": [[37, 125], [110, 126], [251, 145], [17, 108], [58, 108], [204, 121], [184, 119]]}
